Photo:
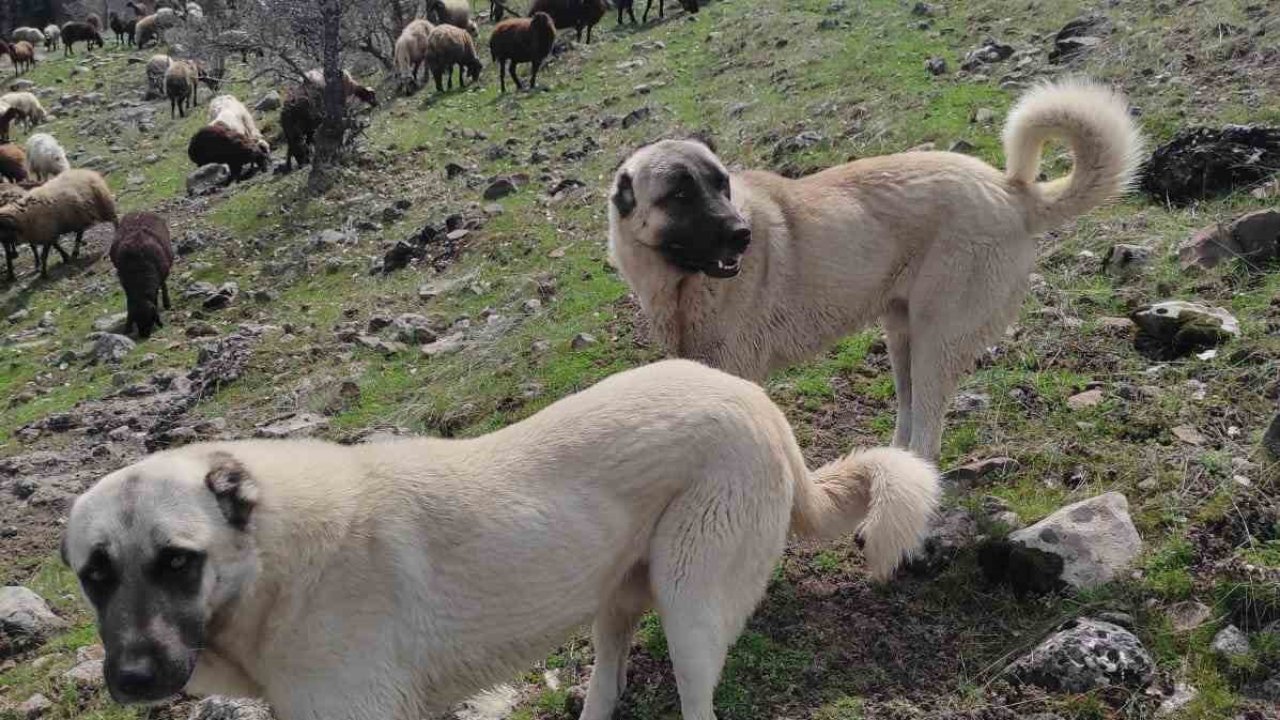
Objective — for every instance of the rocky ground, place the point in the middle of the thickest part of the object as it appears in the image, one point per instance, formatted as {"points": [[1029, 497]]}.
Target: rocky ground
{"points": [[1111, 543]]}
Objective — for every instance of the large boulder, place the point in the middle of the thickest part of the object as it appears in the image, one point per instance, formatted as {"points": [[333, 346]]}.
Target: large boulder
{"points": [[1253, 238], [1205, 162], [208, 178], [1171, 329], [1083, 655], [1094, 540], [109, 348], [25, 620]]}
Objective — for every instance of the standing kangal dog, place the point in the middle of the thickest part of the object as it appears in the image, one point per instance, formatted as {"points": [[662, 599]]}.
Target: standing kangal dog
{"points": [[752, 272], [387, 581]]}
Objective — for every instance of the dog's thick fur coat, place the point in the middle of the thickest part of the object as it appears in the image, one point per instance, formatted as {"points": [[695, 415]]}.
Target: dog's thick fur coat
{"points": [[385, 581], [937, 245]]}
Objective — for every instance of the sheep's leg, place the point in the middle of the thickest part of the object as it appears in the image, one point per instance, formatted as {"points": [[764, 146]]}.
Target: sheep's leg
{"points": [[533, 76], [645, 17], [514, 76], [502, 75], [164, 293], [75, 250]]}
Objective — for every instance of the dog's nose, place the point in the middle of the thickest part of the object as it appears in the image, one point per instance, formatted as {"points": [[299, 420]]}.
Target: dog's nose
{"points": [[136, 676], [740, 238]]}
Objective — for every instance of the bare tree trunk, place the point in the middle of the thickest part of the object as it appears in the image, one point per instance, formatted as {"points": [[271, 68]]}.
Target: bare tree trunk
{"points": [[332, 125], [397, 10]]}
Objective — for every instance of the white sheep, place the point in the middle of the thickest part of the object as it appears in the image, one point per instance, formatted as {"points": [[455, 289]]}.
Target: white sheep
{"points": [[45, 157], [157, 66], [70, 203], [51, 35], [29, 108], [29, 34], [229, 112]]}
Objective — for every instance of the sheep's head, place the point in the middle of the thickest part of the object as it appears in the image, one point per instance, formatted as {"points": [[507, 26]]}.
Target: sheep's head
{"points": [[474, 66], [367, 94], [8, 229], [144, 315], [543, 23]]}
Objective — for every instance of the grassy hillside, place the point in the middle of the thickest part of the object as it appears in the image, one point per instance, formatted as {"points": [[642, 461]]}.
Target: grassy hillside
{"points": [[792, 87]]}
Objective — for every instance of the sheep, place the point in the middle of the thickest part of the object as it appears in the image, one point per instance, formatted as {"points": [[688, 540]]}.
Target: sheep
{"points": [[299, 118], [4, 48], [166, 18], [450, 12], [448, 46], [139, 10], [690, 6], [30, 111], [350, 86], [7, 116], [577, 14], [217, 143], [157, 66], [122, 27], [411, 48], [13, 163], [522, 40], [229, 112], [22, 53], [237, 41], [146, 30], [180, 87], [94, 20], [51, 36], [28, 34], [45, 157], [70, 203], [74, 32], [142, 255]]}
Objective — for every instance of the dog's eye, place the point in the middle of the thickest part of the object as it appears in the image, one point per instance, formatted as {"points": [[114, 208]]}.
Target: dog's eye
{"points": [[96, 575], [178, 560]]}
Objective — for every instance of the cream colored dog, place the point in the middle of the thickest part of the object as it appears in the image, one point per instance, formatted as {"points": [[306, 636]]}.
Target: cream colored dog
{"points": [[752, 272], [387, 581]]}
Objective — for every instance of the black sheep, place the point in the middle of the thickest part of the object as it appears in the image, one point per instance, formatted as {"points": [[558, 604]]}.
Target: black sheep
{"points": [[576, 14], [299, 118], [123, 28], [74, 32], [143, 255], [217, 143]]}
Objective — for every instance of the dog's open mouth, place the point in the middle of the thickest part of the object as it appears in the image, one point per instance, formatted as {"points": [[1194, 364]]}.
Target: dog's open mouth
{"points": [[724, 268]]}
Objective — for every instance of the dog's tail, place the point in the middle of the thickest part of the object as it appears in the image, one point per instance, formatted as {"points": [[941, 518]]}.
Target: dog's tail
{"points": [[886, 495], [1106, 147]]}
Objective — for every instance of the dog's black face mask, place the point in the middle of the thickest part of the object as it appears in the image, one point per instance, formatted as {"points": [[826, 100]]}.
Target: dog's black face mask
{"points": [[150, 618], [690, 215]]}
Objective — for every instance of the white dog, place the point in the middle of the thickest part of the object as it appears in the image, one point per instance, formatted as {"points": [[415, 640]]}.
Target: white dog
{"points": [[752, 272], [387, 581]]}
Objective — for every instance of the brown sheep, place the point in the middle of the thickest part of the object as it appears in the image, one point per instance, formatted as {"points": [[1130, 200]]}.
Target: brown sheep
{"points": [[522, 40], [21, 53], [72, 202], [350, 86], [577, 14], [13, 163], [122, 27], [299, 118], [180, 87], [74, 32], [147, 30], [216, 143], [6, 119], [449, 46], [142, 255]]}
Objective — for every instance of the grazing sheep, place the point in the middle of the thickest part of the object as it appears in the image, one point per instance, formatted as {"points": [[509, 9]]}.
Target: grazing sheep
{"points": [[7, 116], [147, 30], [217, 143], [690, 6], [30, 111], [299, 118], [143, 255], [210, 77], [51, 36], [94, 20], [28, 34], [350, 86], [577, 14], [123, 28], [522, 40], [448, 46], [139, 10], [450, 12], [229, 112], [45, 157], [13, 163], [180, 87], [237, 41], [74, 32], [72, 202], [411, 48], [157, 66], [22, 53]]}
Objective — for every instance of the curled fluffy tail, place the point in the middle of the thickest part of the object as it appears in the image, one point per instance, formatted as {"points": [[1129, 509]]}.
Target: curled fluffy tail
{"points": [[886, 495], [1106, 147]]}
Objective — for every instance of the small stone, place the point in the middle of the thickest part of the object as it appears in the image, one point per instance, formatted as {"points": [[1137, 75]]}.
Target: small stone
{"points": [[1086, 654], [963, 147], [582, 341], [984, 116], [110, 348], [1123, 260], [1230, 643], [1189, 435], [974, 472], [1181, 696], [225, 708], [268, 103], [208, 178], [1175, 328], [25, 620], [200, 328], [936, 66], [414, 329], [532, 305], [1094, 538], [1084, 400], [444, 346], [34, 707], [499, 189], [294, 425], [87, 672], [1188, 615]]}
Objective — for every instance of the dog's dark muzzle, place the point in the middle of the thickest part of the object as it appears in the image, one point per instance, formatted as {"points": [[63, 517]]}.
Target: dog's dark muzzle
{"points": [[728, 262]]}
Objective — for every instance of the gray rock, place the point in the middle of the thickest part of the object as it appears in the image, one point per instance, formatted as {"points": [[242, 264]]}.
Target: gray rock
{"points": [[497, 703], [969, 403], [1123, 260], [268, 102], [207, 179], [1095, 539], [1171, 329], [1230, 643], [25, 620], [295, 425], [1253, 238], [1084, 400], [989, 52], [948, 533], [377, 344], [222, 296], [1181, 696], [978, 470], [936, 66], [1084, 655], [110, 348], [444, 346], [35, 706], [86, 674], [1188, 615], [414, 329], [582, 341], [223, 708], [107, 323], [499, 189]]}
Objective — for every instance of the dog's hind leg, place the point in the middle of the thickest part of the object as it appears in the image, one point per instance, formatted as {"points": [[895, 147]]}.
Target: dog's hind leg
{"points": [[898, 339], [611, 639]]}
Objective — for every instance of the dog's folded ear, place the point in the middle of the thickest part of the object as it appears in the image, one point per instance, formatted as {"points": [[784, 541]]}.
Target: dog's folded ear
{"points": [[234, 488], [624, 195], [704, 137]]}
